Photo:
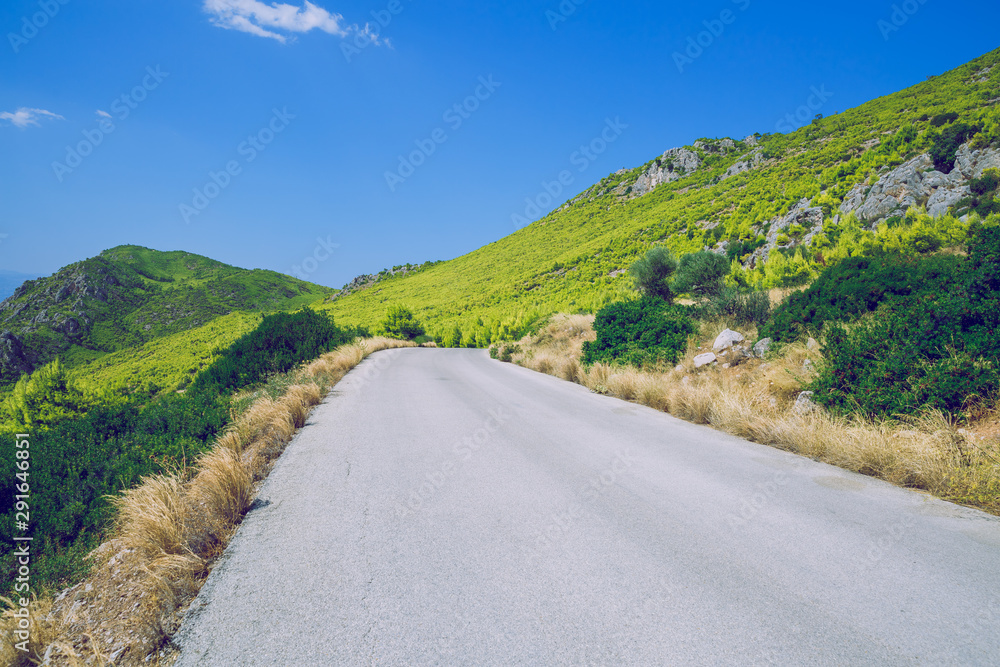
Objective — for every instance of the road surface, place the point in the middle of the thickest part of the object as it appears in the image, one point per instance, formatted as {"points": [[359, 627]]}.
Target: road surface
{"points": [[441, 508]]}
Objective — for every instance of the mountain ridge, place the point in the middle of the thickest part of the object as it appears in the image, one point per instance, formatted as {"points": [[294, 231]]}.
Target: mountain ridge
{"points": [[128, 296]]}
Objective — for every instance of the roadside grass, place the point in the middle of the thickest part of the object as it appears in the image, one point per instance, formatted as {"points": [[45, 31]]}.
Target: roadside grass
{"points": [[755, 399], [171, 528]]}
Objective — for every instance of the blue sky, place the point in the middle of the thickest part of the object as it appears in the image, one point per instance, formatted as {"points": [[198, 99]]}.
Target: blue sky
{"points": [[261, 135]]}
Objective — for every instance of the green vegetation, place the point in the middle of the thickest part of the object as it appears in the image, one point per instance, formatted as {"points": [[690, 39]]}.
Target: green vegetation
{"points": [[399, 323], [652, 273], [639, 333], [575, 259], [130, 296], [859, 285], [87, 446], [278, 344], [701, 274], [926, 345]]}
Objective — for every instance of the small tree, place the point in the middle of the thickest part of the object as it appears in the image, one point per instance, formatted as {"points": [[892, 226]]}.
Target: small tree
{"points": [[652, 273], [400, 323], [701, 274]]}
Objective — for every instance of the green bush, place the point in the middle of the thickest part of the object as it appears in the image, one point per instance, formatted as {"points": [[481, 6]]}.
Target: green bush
{"points": [[901, 360], [701, 274], [944, 118], [399, 323], [281, 342], [639, 333], [738, 306], [856, 286], [77, 465], [945, 145], [652, 273]]}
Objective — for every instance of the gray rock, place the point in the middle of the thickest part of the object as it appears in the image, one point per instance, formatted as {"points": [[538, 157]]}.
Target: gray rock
{"points": [[13, 357], [804, 404], [727, 339], [943, 199], [673, 165], [762, 347], [705, 359], [812, 344]]}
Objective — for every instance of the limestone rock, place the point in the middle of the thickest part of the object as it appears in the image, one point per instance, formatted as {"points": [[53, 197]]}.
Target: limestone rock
{"points": [[727, 339], [804, 404], [673, 165], [762, 347], [705, 359]]}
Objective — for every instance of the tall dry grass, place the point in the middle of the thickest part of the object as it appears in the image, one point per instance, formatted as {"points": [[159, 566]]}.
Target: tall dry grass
{"points": [[170, 528], [755, 399]]}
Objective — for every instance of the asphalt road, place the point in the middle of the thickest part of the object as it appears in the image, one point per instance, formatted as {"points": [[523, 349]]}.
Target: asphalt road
{"points": [[443, 508]]}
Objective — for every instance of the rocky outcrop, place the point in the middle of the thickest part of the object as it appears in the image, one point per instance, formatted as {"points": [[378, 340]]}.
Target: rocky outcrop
{"points": [[809, 218], [13, 357], [918, 183], [753, 161], [673, 165], [726, 340]]}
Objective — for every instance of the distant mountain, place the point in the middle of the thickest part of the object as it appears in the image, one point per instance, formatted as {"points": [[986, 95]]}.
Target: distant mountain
{"points": [[128, 296], [10, 281]]}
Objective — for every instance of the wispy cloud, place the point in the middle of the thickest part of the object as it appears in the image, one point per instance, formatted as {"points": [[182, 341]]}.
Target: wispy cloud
{"points": [[272, 20], [24, 116], [103, 114]]}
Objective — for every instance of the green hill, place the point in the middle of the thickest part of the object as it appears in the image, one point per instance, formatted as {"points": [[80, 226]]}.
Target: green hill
{"points": [[782, 206], [128, 297]]}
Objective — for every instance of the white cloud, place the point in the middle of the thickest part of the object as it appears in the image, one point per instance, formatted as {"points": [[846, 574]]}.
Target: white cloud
{"points": [[24, 116], [271, 20], [103, 114]]}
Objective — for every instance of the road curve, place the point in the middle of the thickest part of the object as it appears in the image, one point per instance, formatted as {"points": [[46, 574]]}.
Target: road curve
{"points": [[444, 508]]}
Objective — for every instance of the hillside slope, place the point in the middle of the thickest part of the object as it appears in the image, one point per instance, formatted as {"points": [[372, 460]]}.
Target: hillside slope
{"points": [[781, 205], [129, 296]]}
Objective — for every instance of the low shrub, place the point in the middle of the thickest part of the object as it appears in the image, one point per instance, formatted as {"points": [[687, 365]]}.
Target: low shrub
{"points": [[858, 285], [639, 333], [281, 342]]}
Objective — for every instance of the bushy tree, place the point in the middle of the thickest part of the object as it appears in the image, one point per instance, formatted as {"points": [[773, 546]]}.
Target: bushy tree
{"points": [[701, 274], [639, 332], [652, 273], [400, 323], [47, 397]]}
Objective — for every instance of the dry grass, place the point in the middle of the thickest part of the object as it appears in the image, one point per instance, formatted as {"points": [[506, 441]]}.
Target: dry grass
{"points": [[753, 399], [170, 528]]}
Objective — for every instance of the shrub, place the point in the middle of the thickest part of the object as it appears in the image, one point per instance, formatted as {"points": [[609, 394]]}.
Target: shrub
{"points": [[945, 145], [701, 274], [652, 273], [639, 332], [856, 286], [740, 306], [944, 119], [400, 323], [278, 344], [902, 360]]}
